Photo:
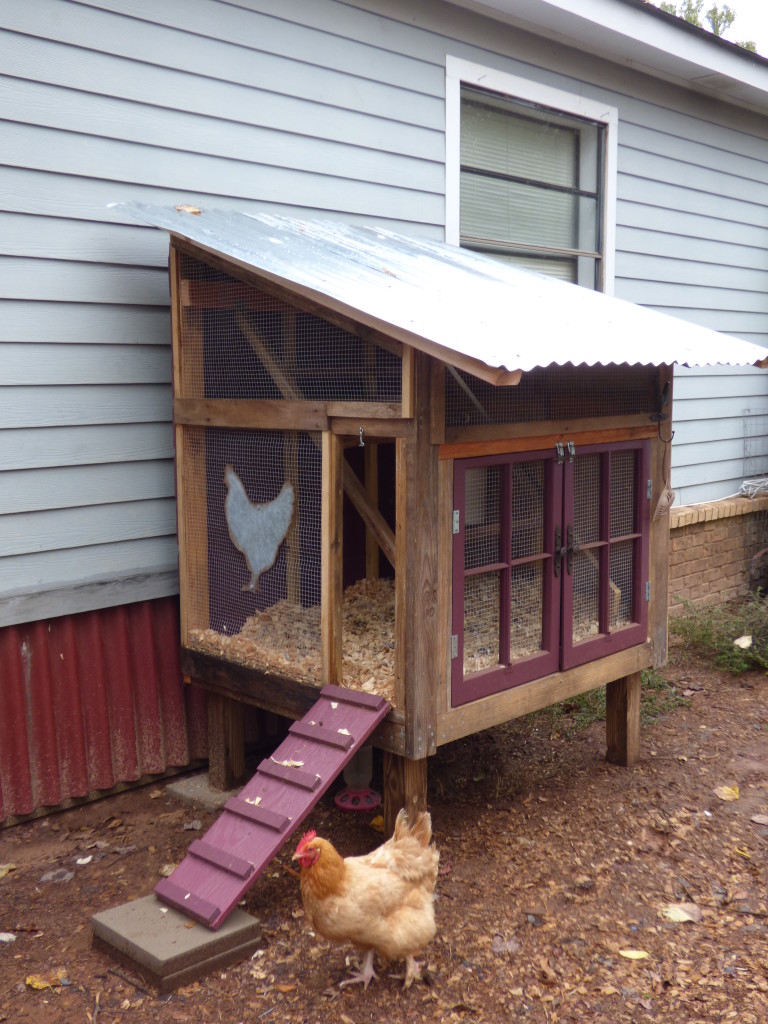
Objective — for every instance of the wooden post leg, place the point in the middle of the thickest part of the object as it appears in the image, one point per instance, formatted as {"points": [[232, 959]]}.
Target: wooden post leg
{"points": [[405, 785], [226, 742], [622, 720]]}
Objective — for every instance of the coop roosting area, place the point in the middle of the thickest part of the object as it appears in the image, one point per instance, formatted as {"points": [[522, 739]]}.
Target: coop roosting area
{"points": [[257, 382]]}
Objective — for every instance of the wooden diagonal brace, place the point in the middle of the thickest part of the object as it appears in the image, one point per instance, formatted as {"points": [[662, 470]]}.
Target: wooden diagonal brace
{"points": [[354, 490]]}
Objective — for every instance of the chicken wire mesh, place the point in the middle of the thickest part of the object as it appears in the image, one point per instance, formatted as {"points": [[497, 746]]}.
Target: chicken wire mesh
{"points": [[241, 342], [551, 393], [504, 523], [481, 622], [589, 530], [622, 557], [260, 527]]}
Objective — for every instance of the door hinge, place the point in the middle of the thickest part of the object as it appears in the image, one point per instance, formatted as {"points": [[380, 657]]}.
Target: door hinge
{"points": [[647, 590], [571, 447], [649, 490], [456, 520], [455, 645]]}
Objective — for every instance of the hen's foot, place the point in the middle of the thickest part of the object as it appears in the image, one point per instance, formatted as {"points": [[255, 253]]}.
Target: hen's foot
{"points": [[364, 976], [412, 972]]}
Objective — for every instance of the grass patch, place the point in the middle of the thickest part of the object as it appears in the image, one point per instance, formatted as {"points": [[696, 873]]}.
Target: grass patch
{"points": [[657, 697], [710, 632]]}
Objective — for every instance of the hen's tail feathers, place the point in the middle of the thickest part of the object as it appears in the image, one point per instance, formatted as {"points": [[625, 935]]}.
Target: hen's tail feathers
{"points": [[421, 829]]}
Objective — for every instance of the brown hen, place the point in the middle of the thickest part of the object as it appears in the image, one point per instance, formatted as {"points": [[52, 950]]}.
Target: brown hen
{"points": [[382, 902]]}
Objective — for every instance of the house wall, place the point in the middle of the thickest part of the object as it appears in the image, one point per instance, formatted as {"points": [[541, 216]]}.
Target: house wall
{"points": [[320, 108]]}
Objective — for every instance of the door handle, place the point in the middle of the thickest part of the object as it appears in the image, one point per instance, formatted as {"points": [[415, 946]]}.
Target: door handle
{"points": [[570, 549], [559, 550]]}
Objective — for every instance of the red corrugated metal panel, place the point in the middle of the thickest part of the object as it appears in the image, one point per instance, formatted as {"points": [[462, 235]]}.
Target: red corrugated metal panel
{"points": [[93, 700]]}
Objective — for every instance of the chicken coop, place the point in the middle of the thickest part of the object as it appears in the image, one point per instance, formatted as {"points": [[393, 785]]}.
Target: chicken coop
{"points": [[408, 470]]}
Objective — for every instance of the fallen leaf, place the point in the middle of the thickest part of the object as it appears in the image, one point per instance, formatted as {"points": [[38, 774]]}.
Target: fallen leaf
{"points": [[744, 642], [285, 988], [288, 763], [82, 861], [633, 954], [155, 794], [38, 982], [759, 819], [58, 875], [501, 945], [188, 208], [681, 912], [5, 869], [546, 974], [193, 826], [378, 823], [726, 793], [167, 870], [743, 852], [7, 937]]}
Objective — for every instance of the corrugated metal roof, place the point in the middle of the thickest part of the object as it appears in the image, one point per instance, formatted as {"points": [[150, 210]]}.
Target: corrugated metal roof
{"points": [[449, 301]]}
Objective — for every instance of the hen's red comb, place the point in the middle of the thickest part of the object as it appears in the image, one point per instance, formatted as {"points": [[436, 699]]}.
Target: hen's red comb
{"points": [[306, 838]]}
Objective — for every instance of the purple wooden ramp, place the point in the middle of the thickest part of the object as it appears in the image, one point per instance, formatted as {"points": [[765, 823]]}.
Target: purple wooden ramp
{"points": [[219, 868]]}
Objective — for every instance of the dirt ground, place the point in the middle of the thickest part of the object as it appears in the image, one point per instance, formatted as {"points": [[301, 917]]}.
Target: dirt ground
{"points": [[558, 872]]}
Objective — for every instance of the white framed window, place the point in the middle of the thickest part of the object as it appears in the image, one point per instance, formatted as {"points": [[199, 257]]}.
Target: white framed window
{"points": [[530, 174]]}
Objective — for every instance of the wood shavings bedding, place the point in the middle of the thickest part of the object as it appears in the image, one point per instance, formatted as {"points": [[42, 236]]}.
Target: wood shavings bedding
{"points": [[285, 639]]}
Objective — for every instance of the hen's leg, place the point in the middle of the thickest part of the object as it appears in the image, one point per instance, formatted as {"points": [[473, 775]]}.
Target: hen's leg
{"points": [[365, 976], [412, 971]]}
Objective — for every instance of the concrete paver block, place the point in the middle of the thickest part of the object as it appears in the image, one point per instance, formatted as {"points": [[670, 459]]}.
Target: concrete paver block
{"points": [[168, 948]]}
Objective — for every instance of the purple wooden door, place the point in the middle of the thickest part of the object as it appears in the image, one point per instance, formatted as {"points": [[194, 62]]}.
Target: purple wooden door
{"points": [[550, 561]]}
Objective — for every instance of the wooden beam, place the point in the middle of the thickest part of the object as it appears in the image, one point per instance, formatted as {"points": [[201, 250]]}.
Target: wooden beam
{"points": [[370, 515], [658, 610], [445, 574], [331, 560], [544, 428], [540, 693], [365, 410], [350, 427], [190, 464], [226, 742], [250, 413], [417, 569], [371, 470], [228, 295], [273, 693], [604, 435], [405, 785], [437, 403], [622, 720]]}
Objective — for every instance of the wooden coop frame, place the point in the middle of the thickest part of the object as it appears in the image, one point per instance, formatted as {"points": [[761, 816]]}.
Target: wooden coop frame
{"points": [[427, 449]]}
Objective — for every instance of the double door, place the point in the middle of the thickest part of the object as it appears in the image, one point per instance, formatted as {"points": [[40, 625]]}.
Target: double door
{"points": [[550, 562]]}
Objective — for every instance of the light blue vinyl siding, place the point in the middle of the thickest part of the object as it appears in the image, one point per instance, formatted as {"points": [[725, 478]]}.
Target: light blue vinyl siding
{"points": [[304, 107]]}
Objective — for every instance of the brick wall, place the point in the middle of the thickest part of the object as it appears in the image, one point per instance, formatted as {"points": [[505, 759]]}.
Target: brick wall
{"points": [[710, 549]]}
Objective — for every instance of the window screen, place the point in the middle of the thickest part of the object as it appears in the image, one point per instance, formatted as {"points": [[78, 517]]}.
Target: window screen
{"points": [[531, 186]]}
